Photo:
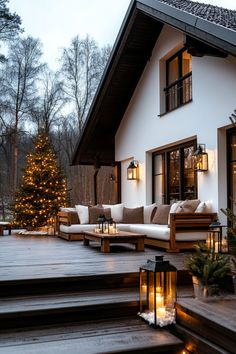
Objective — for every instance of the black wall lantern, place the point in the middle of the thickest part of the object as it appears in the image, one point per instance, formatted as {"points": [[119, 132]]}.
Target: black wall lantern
{"points": [[158, 292], [200, 158], [132, 170]]}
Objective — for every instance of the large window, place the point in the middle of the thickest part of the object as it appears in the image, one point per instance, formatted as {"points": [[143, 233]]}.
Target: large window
{"points": [[178, 89], [173, 175]]}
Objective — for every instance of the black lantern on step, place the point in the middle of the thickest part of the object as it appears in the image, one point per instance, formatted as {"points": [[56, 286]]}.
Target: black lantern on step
{"points": [[217, 240], [200, 159], [158, 292]]}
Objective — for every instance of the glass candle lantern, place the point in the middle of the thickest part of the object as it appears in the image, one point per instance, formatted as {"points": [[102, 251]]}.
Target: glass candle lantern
{"points": [[217, 240], [111, 225], [101, 224], [158, 292]]}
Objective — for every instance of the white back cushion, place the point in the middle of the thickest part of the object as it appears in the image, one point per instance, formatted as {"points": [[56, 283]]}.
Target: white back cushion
{"points": [[83, 213], [116, 211]]}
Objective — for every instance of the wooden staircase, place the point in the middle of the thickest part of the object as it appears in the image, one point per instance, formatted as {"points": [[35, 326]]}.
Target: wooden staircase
{"points": [[98, 314], [95, 314]]}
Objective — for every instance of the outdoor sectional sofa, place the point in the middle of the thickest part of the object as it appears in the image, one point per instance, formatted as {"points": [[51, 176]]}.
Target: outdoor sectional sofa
{"points": [[173, 228]]}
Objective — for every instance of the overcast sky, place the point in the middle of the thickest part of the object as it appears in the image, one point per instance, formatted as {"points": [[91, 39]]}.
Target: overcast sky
{"points": [[56, 22]]}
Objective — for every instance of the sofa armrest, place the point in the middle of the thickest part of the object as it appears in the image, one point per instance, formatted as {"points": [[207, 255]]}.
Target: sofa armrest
{"points": [[68, 218], [189, 221]]}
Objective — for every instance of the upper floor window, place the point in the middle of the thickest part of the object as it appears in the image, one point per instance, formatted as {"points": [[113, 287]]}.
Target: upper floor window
{"points": [[178, 89]]}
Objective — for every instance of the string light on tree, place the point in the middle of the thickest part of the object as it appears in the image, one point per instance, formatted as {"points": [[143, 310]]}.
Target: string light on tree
{"points": [[43, 188]]}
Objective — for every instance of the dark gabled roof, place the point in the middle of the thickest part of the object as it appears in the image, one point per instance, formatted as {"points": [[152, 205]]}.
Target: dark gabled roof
{"points": [[218, 15], [209, 30]]}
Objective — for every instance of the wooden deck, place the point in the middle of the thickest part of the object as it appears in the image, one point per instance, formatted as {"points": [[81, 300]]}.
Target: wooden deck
{"points": [[57, 296], [35, 257]]}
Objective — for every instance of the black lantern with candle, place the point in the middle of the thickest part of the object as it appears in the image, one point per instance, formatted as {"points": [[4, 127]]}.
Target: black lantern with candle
{"points": [[216, 240], [158, 292]]}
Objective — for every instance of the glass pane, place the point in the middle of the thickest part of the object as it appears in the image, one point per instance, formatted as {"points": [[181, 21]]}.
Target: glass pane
{"points": [[174, 175], [186, 63], [158, 164], [189, 185], [187, 89], [159, 179], [159, 196], [172, 71]]}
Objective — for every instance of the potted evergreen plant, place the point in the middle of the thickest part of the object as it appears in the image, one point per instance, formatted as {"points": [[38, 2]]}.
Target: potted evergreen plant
{"points": [[207, 269]]}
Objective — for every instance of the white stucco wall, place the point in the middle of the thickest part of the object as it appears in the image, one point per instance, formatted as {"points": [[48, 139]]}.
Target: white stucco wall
{"points": [[142, 130]]}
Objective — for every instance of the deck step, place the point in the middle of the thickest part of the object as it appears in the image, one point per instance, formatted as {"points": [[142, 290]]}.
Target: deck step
{"points": [[213, 320], [119, 335], [64, 307], [69, 283], [77, 283], [198, 344]]}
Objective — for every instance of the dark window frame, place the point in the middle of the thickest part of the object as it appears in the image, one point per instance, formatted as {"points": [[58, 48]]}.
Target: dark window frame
{"points": [[166, 175], [178, 85], [230, 161]]}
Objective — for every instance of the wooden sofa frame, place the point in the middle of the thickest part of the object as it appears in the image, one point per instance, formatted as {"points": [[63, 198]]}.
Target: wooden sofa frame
{"points": [[183, 222], [179, 222], [64, 217]]}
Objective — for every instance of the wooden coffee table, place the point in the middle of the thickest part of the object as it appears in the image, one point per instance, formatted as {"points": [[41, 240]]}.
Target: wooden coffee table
{"points": [[121, 237]]}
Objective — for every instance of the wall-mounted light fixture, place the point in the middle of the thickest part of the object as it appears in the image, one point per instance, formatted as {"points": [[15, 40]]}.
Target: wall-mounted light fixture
{"points": [[132, 170], [200, 158]]}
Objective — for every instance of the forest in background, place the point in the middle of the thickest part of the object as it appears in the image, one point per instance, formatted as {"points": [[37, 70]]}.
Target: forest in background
{"points": [[32, 97]]}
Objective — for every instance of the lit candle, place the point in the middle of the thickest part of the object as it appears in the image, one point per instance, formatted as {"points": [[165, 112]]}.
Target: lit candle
{"points": [[161, 312], [159, 300], [217, 247]]}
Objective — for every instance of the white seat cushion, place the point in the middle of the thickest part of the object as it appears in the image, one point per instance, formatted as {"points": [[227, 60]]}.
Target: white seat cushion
{"points": [[77, 228], [161, 232]]}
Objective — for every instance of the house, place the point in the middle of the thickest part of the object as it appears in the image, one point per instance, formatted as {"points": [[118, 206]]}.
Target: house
{"points": [[168, 89]]}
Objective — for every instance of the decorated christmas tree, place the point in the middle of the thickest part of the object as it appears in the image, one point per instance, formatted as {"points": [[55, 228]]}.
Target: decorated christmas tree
{"points": [[43, 188]]}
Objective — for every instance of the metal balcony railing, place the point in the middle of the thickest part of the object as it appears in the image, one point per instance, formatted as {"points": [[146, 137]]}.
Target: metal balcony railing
{"points": [[179, 92]]}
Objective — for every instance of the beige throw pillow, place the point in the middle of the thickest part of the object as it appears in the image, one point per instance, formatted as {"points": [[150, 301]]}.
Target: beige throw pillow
{"points": [[188, 206], [161, 215], [133, 215], [95, 212]]}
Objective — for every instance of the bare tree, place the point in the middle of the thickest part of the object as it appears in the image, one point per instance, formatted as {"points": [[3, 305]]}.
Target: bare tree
{"points": [[19, 76], [82, 66], [46, 112]]}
